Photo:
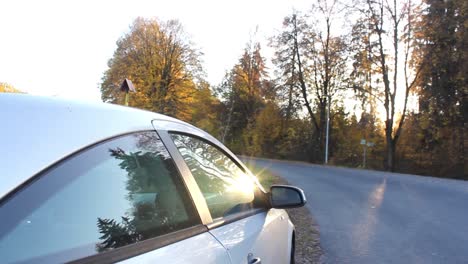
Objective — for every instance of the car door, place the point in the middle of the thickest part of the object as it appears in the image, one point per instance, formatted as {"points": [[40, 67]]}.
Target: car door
{"points": [[241, 218], [119, 200]]}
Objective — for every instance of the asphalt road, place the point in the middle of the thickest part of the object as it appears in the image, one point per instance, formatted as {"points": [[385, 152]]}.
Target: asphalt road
{"points": [[378, 217]]}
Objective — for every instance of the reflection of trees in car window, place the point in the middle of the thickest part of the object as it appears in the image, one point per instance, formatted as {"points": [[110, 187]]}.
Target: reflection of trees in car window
{"points": [[157, 209], [114, 194], [226, 188]]}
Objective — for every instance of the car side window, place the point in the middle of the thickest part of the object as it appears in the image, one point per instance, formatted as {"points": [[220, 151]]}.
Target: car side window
{"points": [[114, 194], [226, 187]]}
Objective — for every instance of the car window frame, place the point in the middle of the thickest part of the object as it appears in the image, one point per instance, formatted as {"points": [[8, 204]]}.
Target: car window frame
{"points": [[127, 251], [165, 135]]}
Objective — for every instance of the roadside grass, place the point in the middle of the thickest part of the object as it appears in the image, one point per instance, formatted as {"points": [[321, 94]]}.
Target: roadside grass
{"points": [[308, 248]]}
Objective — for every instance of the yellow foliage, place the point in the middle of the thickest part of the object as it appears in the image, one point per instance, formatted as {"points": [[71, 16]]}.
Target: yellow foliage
{"points": [[7, 88]]}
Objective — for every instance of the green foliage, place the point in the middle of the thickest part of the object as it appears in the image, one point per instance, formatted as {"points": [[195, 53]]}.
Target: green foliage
{"points": [[115, 235]]}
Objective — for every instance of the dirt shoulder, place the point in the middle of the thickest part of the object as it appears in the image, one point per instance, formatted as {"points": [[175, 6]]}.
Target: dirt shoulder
{"points": [[308, 248]]}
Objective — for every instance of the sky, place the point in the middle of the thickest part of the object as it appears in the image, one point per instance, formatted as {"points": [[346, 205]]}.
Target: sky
{"points": [[61, 48]]}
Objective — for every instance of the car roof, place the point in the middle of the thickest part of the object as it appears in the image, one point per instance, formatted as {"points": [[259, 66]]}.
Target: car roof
{"points": [[36, 131]]}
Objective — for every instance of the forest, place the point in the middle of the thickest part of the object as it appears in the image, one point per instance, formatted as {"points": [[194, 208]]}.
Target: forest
{"points": [[390, 77]]}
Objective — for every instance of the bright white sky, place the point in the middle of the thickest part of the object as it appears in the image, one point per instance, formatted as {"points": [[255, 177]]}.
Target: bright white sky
{"points": [[61, 48]]}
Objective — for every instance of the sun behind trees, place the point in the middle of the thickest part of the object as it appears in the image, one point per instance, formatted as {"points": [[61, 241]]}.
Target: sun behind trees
{"points": [[367, 71]]}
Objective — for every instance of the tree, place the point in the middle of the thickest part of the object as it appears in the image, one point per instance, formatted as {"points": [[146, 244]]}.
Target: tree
{"points": [[443, 84], [162, 64], [290, 49], [391, 27], [312, 59], [263, 135], [205, 110], [346, 138], [8, 88], [243, 91], [362, 78], [285, 60]]}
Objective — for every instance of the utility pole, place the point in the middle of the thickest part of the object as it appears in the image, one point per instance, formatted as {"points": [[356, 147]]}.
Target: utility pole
{"points": [[127, 86], [364, 156], [328, 129]]}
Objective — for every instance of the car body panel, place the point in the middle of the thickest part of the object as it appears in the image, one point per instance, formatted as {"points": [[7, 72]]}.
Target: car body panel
{"points": [[266, 235], [203, 248]]}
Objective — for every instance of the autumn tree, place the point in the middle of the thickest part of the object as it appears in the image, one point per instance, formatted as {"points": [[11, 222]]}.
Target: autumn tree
{"points": [[285, 60], [312, 62], [288, 97], [8, 88], [161, 62], [346, 138], [243, 91], [263, 136], [205, 109], [390, 43]]}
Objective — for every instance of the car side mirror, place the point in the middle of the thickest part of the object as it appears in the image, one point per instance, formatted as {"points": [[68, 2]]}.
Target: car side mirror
{"points": [[285, 196]]}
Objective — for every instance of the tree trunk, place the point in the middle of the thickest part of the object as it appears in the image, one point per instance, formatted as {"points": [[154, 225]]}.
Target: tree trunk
{"points": [[391, 150]]}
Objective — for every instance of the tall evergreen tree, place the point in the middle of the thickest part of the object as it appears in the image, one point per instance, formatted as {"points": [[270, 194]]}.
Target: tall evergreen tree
{"points": [[443, 86]]}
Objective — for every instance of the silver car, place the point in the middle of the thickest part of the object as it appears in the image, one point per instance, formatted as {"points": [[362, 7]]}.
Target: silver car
{"points": [[102, 183]]}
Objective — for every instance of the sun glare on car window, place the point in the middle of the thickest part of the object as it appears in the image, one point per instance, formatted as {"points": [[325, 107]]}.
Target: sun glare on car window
{"points": [[244, 184]]}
